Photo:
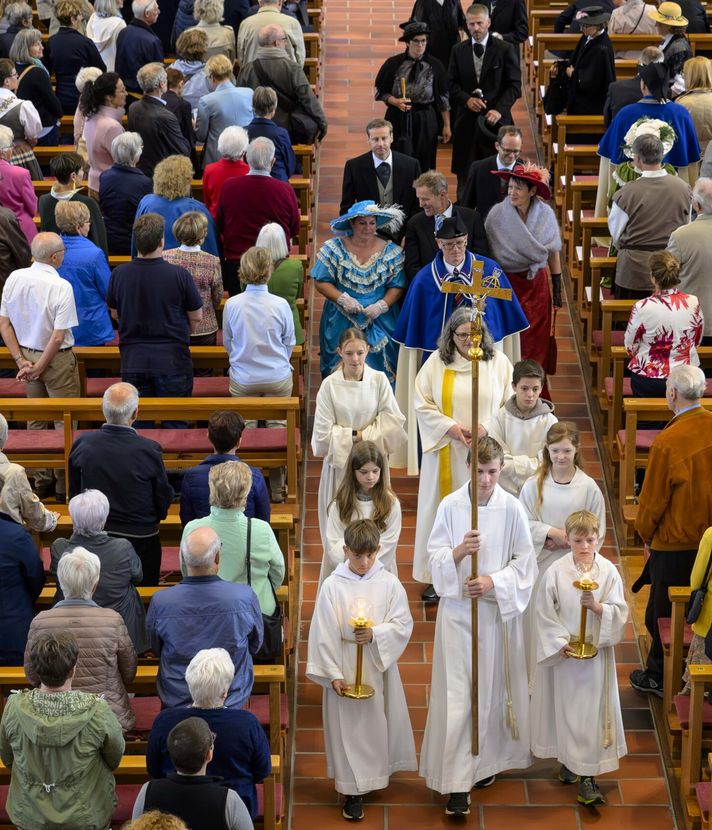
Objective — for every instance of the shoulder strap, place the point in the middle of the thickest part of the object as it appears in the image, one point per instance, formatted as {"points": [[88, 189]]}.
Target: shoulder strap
{"points": [[248, 545], [26, 70], [286, 102], [705, 578], [639, 19]]}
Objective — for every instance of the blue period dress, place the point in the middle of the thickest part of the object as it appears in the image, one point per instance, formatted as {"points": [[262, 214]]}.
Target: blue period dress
{"points": [[367, 283]]}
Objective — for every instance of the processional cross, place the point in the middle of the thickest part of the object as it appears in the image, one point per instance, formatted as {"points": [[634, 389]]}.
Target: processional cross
{"points": [[480, 291]]}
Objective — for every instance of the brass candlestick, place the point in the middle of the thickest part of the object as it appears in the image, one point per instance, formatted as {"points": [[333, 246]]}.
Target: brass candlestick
{"points": [[359, 690], [586, 582]]}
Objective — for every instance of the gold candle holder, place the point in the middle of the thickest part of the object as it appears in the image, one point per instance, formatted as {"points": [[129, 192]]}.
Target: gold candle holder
{"points": [[581, 649], [359, 690]]}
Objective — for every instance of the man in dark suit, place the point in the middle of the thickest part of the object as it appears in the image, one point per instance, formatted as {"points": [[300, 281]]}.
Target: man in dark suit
{"points": [[485, 81], [622, 93], [509, 20], [154, 122], [420, 245], [392, 186], [483, 190], [138, 44]]}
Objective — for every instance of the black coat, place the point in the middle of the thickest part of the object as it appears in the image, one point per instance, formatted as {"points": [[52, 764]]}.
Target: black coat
{"points": [[696, 13], [620, 94], [421, 247], [501, 85], [483, 190], [35, 86], [445, 23], [566, 21], [160, 132], [360, 182], [121, 188], [509, 19], [67, 52], [594, 71], [6, 40]]}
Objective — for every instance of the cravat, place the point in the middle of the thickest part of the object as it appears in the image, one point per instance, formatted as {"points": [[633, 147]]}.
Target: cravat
{"points": [[383, 171], [457, 277], [479, 49], [415, 71], [439, 219]]}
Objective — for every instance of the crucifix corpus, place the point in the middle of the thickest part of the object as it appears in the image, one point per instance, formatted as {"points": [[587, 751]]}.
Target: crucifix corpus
{"points": [[479, 291]]}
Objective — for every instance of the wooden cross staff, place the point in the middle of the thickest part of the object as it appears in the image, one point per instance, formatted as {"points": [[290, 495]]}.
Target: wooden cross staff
{"points": [[480, 291]]}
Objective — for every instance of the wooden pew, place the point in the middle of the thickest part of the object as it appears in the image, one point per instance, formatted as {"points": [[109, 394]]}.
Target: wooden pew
{"points": [[692, 742], [673, 634]]}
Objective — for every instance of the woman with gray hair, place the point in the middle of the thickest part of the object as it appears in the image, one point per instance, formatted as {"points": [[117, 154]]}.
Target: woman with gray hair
{"points": [[229, 485], [121, 568], [16, 497], [103, 28], [121, 188], [287, 279], [17, 16], [241, 754], [34, 83], [232, 145], [221, 39], [443, 407], [107, 660]]}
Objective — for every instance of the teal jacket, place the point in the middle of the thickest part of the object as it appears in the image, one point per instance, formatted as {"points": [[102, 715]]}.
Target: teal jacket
{"points": [[62, 748]]}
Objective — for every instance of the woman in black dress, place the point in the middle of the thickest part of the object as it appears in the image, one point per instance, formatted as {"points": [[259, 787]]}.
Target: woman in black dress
{"points": [[592, 67]]}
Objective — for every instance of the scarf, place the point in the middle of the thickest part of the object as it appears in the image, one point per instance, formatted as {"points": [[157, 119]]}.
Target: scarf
{"points": [[38, 62], [522, 246]]}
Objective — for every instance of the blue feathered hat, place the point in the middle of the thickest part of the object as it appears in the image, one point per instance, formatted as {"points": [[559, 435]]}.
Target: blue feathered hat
{"points": [[391, 215]]}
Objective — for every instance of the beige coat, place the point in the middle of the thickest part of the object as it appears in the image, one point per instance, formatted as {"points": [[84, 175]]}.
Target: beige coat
{"points": [[18, 500], [221, 39], [691, 245], [247, 45], [632, 18], [107, 660], [698, 103]]}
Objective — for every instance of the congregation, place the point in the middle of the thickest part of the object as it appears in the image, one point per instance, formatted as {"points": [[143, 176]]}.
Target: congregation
{"points": [[160, 280]]}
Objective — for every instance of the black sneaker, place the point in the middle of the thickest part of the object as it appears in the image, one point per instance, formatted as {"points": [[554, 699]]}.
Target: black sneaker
{"points": [[353, 808], [589, 795], [458, 805], [643, 681], [429, 595], [566, 776], [484, 782]]}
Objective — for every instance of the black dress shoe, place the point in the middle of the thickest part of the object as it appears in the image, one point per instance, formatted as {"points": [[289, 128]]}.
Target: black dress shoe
{"points": [[429, 595]]}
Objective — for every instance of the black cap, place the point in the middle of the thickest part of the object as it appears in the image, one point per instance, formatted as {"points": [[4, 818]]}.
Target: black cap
{"points": [[452, 228], [657, 79], [413, 28]]}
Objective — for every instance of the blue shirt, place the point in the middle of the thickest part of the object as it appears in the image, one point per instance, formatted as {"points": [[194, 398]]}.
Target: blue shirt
{"points": [[204, 612], [195, 492], [86, 268], [258, 333], [172, 209]]}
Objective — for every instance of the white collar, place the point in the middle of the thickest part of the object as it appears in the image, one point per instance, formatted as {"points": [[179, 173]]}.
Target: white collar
{"points": [[666, 40], [501, 166], [378, 162], [343, 570], [447, 213], [653, 174], [482, 42], [190, 249], [450, 268]]}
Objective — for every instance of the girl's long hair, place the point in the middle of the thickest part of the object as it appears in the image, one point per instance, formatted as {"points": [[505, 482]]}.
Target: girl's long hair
{"points": [[346, 497], [558, 432]]}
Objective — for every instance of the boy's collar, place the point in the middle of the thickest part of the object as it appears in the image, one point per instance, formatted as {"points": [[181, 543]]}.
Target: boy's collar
{"points": [[542, 407], [343, 570]]}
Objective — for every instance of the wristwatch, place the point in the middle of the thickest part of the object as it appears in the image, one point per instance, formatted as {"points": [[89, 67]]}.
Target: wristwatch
{"points": [[354, 435]]}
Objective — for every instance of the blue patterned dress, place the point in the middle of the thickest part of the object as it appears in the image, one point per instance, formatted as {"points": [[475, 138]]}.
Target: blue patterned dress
{"points": [[368, 284]]}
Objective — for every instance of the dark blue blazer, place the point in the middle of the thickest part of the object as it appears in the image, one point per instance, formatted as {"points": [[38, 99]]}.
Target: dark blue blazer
{"points": [[22, 578], [285, 162], [136, 46], [121, 188], [194, 491]]}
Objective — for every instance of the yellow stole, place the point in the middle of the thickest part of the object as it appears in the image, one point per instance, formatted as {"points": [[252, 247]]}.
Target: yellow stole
{"points": [[444, 455]]}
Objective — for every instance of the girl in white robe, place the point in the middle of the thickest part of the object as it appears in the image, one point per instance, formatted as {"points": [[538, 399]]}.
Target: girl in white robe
{"points": [[575, 710], [507, 557], [443, 405], [363, 494], [559, 488], [354, 403], [366, 741]]}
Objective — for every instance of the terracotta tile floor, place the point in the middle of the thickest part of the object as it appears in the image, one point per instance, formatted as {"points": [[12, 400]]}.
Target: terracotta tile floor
{"points": [[637, 792]]}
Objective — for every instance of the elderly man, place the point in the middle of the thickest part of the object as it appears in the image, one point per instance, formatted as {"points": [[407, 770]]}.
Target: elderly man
{"points": [[691, 245], [138, 44], [246, 203], [37, 314], [154, 122], [121, 188], [157, 306], [269, 13], [421, 247], [674, 508], [298, 109], [483, 190], [128, 469], [622, 93], [643, 215], [204, 611]]}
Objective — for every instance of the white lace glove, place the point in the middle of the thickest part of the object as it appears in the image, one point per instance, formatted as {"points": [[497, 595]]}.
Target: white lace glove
{"points": [[349, 304], [376, 309]]}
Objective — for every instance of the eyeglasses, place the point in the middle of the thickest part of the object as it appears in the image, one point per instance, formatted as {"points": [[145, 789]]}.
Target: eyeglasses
{"points": [[280, 40], [453, 244], [506, 151], [461, 337], [58, 251], [420, 41]]}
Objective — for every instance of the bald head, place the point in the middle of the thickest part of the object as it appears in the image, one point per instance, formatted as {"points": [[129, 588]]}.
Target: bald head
{"points": [[120, 404], [47, 248], [272, 35], [702, 195], [200, 551]]}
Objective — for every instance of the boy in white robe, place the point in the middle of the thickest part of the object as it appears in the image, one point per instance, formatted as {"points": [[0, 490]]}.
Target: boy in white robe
{"points": [[520, 426], [366, 741], [575, 710], [507, 570]]}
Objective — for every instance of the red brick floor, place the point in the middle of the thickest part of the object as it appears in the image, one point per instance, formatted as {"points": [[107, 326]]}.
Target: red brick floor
{"points": [[359, 36]]}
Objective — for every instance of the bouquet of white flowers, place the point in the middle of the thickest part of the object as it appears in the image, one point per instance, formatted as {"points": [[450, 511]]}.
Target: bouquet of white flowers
{"points": [[649, 126]]}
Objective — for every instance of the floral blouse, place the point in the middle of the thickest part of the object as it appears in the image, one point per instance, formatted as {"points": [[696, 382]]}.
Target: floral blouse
{"points": [[207, 276], [663, 331]]}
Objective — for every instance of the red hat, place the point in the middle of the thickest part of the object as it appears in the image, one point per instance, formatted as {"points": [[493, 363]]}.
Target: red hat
{"points": [[531, 173]]}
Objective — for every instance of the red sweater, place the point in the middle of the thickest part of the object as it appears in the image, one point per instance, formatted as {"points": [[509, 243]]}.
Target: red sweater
{"points": [[247, 203]]}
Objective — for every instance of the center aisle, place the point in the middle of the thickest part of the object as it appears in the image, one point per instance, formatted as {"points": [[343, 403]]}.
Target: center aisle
{"points": [[637, 792]]}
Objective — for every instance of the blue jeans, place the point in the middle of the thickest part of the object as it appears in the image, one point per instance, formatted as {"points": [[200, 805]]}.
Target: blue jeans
{"points": [[161, 386], [51, 139]]}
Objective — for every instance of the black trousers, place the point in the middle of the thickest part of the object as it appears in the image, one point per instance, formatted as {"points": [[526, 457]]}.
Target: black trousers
{"points": [[148, 549], [667, 568]]}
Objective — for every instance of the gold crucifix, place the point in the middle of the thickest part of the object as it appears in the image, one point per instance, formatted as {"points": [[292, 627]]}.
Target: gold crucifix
{"points": [[481, 290]]}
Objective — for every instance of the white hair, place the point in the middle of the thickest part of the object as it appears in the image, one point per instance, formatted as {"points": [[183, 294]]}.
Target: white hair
{"points": [[89, 511], [209, 675], [119, 412], [6, 137], [271, 236], [78, 573], [127, 148], [151, 76], [3, 431], [233, 142], [260, 154], [199, 560], [140, 7], [702, 194], [86, 73], [688, 381]]}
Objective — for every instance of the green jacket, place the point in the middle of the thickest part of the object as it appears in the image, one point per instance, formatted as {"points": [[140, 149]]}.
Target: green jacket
{"points": [[62, 748]]}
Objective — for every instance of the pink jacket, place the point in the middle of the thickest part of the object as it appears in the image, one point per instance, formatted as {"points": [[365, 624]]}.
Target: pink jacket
{"points": [[18, 195], [99, 131]]}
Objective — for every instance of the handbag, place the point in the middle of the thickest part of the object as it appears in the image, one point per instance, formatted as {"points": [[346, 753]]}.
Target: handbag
{"points": [[697, 597], [271, 648], [557, 93], [302, 129], [552, 354]]}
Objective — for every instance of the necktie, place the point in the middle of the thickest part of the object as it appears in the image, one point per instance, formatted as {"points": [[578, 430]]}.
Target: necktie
{"points": [[479, 49], [383, 171], [415, 71], [439, 219], [457, 277]]}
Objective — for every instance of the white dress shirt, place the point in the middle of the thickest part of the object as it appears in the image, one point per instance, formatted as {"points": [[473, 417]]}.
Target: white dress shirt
{"points": [[378, 162]]}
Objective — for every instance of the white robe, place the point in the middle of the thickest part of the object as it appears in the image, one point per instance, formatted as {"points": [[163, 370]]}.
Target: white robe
{"points": [[410, 362], [522, 441], [366, 741], [558, 503], [440, 452], [342, 406], [506, 554], [575, 707], [334, 550]]}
